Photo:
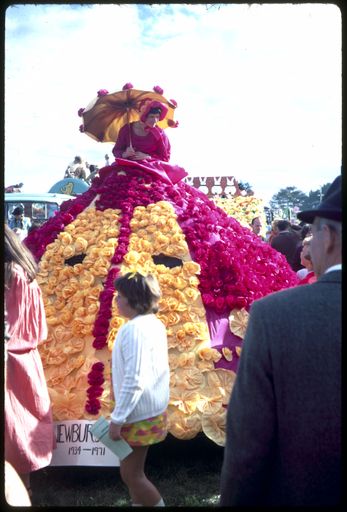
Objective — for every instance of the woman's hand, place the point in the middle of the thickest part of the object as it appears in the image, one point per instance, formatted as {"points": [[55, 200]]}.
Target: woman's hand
{"points": [[140, 156], [114, 431]]}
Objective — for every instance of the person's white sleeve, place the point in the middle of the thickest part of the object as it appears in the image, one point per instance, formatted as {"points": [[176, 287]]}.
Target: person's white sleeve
{"points": [[132, 348]]}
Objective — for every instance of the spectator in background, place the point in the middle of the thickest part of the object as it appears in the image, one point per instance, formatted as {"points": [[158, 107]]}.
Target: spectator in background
{"points": [[283, 445], [29, 434], [94, 170], [256, 226], [77, 166], [305, 231], [14, 188], [19, 221], [274, 230], [80, 173], [287, 243], [306, 274]]}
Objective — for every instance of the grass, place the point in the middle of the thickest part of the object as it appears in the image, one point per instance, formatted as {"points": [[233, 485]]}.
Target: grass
{"points": [[187, 474]]}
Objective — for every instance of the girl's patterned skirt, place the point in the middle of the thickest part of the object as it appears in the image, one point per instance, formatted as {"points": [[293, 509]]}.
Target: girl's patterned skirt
{"points": [[146, 432]]}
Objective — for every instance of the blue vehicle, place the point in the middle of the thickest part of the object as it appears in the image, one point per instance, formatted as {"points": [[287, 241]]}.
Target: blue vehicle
{"points": [[70, 186], [38, 207]]}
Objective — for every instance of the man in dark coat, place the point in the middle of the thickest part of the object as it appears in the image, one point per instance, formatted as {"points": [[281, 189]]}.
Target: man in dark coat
{"points": [[283, 445], [288, 243]]}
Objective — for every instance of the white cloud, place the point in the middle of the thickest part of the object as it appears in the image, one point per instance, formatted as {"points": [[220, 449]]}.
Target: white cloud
{"points": [[258, 87]]}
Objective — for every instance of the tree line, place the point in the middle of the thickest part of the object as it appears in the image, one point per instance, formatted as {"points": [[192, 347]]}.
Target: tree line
{"points": [[291, 197]]}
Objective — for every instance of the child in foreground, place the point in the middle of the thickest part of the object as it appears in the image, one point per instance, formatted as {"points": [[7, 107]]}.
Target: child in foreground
{"points": [[140, 379]]}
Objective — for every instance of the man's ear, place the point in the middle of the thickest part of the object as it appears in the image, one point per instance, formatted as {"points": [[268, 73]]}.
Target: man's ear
{"points": [[329, 238]]}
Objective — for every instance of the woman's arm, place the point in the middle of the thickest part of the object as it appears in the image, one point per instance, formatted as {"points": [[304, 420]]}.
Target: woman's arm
{"points": [[122, 142]]}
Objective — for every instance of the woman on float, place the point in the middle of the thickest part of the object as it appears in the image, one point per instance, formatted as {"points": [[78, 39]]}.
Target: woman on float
{"points": [[143, 145]]}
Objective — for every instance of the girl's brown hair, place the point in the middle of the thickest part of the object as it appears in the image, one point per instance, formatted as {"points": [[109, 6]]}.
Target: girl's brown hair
{"points": [[16, 252], [142, 292]]}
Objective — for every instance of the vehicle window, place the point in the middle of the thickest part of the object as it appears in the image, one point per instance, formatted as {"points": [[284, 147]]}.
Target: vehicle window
{"points": [[11, 206], [51, 208], [38, 211]]}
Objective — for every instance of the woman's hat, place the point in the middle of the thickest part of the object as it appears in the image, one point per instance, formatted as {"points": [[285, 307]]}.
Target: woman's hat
{"points": [[148, 105], [329, 208]]}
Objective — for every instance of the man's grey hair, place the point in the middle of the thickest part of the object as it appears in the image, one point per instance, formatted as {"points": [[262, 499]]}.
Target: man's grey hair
{"points": [[334, 225]]}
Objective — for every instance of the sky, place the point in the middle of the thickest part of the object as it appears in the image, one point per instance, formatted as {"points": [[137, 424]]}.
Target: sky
{"points": [[258, 87]]}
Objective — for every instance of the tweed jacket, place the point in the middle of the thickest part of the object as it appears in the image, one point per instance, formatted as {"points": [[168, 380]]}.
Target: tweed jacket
{"points": [[284, 416]]}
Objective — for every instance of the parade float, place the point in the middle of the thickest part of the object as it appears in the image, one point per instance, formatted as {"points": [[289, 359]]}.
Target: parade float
{"points": [[244, 209], [210, 269]]}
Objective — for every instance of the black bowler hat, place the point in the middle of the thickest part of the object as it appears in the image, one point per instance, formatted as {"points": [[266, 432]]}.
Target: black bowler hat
{"points": [[329, 208]]}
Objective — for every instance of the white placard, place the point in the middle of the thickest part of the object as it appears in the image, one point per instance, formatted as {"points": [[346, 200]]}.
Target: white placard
{"points": [[76, 446]]}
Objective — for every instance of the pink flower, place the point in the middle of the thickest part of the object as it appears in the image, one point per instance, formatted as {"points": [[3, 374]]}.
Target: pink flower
{"points": [[80, 111], [102, 92], [128, 85], [81, 128], [172, 123], [95, 378], [174, 102], [98, 366], [94, 391], [158, 89], [93, 406]]}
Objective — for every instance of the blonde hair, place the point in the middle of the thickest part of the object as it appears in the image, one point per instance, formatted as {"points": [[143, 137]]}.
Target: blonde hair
{"points": [[142, 292], [16, 252]]}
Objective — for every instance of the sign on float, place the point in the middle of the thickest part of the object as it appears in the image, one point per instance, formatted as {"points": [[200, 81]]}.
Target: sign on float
{"points": [[76, 446]]}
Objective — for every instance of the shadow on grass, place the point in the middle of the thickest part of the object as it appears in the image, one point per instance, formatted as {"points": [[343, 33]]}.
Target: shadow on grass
{"points": [[187, 473]]}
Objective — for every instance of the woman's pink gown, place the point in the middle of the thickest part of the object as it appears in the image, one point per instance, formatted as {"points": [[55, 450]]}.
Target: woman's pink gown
{"points": [[29, 434], [156, 144]]}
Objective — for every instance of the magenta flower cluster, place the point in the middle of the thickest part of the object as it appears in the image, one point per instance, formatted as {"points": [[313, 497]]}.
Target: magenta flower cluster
{"points": [[95, 390], [102, 92]]}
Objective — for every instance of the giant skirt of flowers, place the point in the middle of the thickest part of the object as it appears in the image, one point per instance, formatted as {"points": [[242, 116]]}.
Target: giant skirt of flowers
{"points": [[210, 269]]}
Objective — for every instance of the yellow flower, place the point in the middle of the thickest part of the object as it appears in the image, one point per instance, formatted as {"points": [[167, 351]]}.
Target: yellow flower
{"points": [[191, 293], [68, 290], [214, 426], [227, 353], [117, 322], [69, 251], [185, 400], [131, 258], [238, 351], [190, 268], [209, 354], [238, 320], [87, 279], [179, 282], [78, 268], [173, 360], [186, 359], [66, 238], [182, 426], [66, 317]]}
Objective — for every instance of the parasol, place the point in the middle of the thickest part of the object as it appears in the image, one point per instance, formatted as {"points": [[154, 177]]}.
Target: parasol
{"points": [[109, 112]]}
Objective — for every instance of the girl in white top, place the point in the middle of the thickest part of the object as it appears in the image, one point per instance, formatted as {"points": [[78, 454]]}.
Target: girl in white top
{"points": [[140, 379]]}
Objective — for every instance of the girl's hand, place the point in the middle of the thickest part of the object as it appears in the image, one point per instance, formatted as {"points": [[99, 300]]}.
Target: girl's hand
{"points": [[114, 431]]}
